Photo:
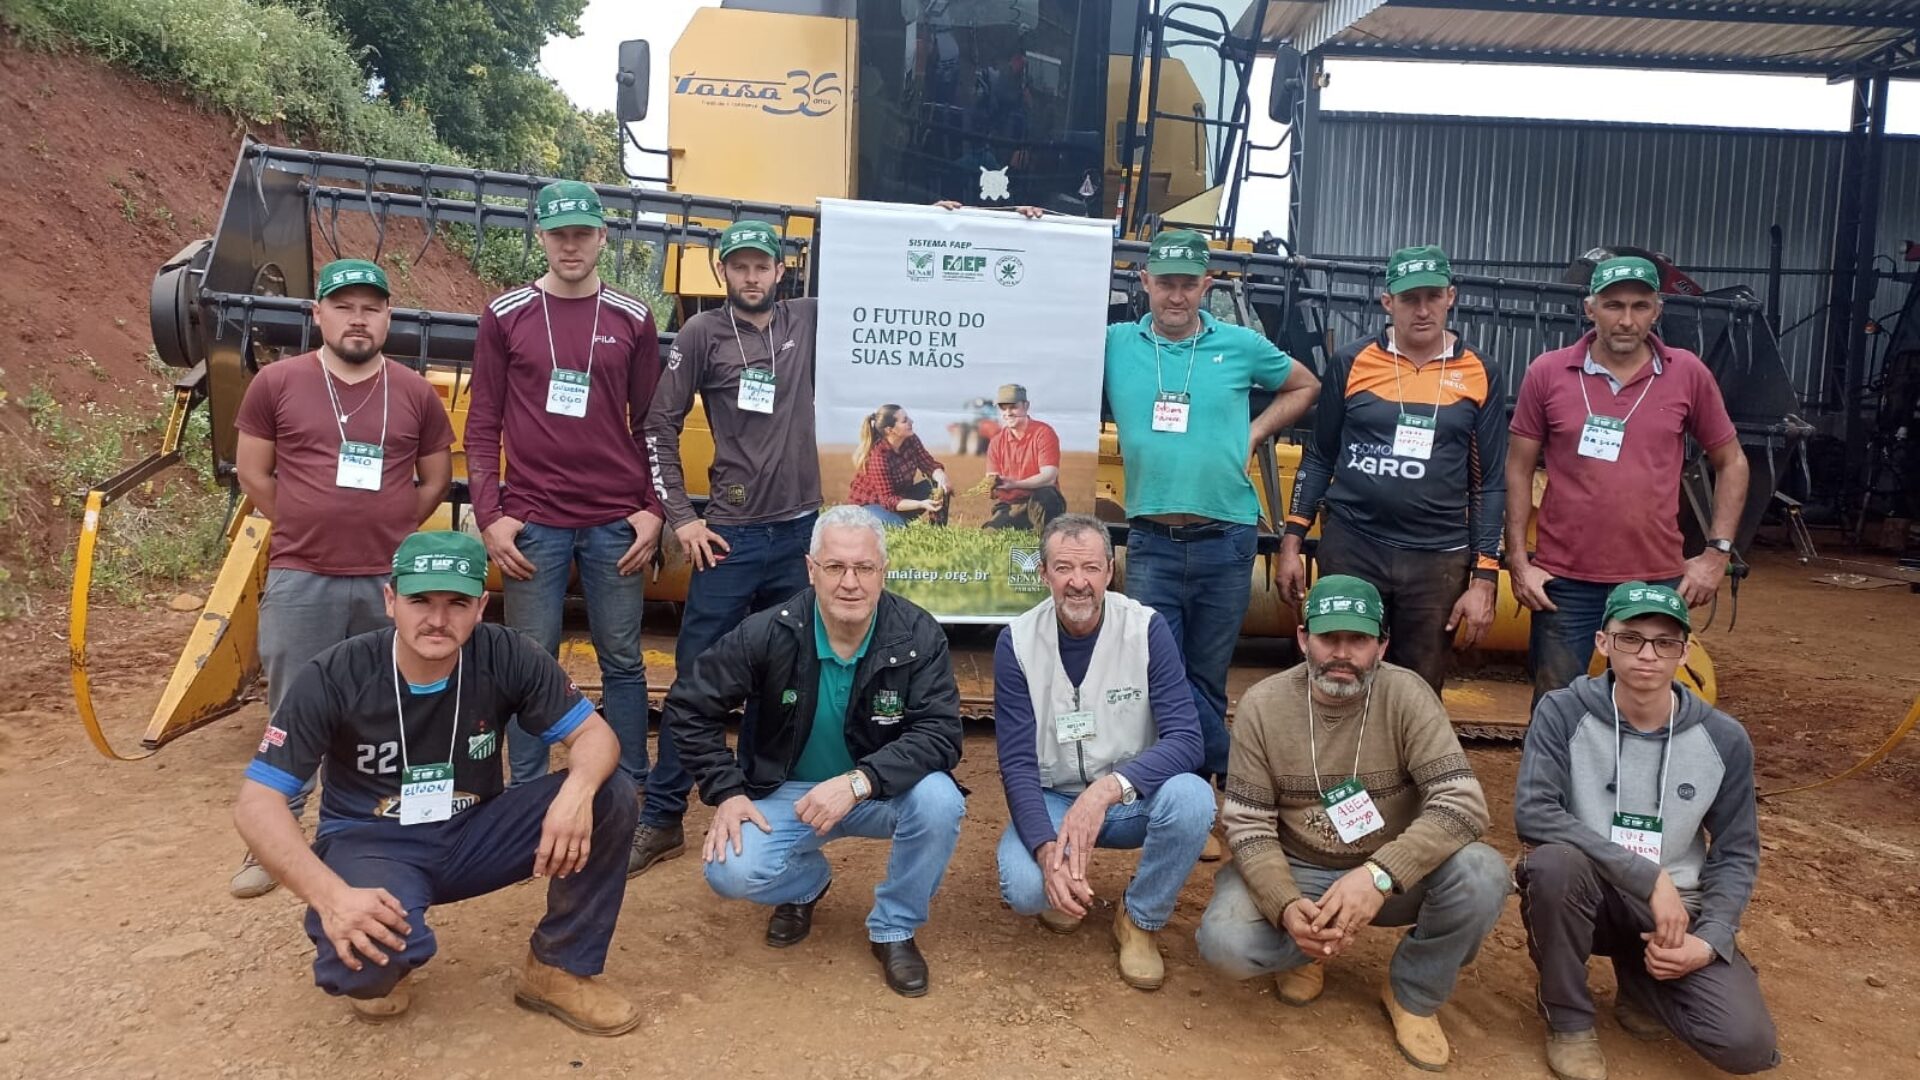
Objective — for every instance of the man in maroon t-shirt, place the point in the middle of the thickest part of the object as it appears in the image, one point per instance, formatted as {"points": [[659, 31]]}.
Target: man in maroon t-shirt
{"points": [[563, 370], [346, 453], [1612, 414]]}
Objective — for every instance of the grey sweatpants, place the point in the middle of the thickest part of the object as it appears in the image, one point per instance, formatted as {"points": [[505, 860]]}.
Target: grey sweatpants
{"points": [[1451, 911], [1571, 913], [303, 613]]}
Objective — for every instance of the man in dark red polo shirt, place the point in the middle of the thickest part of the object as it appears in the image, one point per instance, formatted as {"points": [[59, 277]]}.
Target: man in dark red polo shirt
{"points": [[346, 453], [1611, 415], [564, 369]]}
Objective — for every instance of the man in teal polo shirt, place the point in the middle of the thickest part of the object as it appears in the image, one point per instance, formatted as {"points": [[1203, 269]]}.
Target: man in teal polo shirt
{"points": [[1178, 385]]}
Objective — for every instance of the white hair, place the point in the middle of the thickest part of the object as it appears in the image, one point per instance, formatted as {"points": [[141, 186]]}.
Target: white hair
{"points": [[848, 516]]}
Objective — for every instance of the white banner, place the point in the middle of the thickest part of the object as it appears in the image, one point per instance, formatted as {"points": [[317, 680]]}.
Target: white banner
{"points": [[929, 320]]}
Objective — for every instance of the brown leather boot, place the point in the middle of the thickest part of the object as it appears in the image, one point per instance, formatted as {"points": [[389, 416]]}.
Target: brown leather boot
{"points": [[1575, 1055], [381, 1010], [1140, 964], [1059, 921], [1215, 850], [1301, 986], [1420, 1038], [581, 1003]]}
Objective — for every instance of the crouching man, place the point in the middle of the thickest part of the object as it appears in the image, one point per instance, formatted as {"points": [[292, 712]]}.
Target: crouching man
{"points": [[855, 727], [1098, 740], [407, 722], [1636, 804], [1321, 852]]}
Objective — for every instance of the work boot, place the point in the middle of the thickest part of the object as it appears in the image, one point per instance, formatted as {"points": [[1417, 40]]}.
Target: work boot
{"points": [[380, 1010], [791, 923], [251, 879], [902, 966], [1637, 1021], [1420, 1038], [1575, 1055], [1140, 963], [580, 1003], [654, 844], [1215, 850], [1301, 986], [1059, 921]]}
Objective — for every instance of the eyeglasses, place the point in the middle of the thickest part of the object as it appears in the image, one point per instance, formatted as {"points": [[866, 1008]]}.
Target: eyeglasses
{"points": [[1666, 648], [837, 571]]}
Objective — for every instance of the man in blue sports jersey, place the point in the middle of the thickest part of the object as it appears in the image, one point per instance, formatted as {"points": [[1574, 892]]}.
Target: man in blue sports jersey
{"points": [[407, 722]]}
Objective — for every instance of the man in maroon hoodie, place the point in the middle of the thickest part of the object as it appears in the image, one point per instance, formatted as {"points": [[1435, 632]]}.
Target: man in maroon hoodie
{"points": [[564, 369]]}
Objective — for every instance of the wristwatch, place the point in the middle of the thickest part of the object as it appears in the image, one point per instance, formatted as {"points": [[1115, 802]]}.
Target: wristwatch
{"points": [[1381, 879], [858, 781], [1721, 545], [1128, 793]]}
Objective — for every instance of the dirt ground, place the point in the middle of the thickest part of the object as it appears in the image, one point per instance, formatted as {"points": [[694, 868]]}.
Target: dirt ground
{"points": [[128, 958]]}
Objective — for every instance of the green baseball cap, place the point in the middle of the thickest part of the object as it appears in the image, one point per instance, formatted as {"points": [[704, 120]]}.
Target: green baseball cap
{"points": [[440, 562], [749, 236], [1625, 268], [568, 202], [343, 273], [1636, 598], [1177, 251], [1344, 602], [1419, 267], [1011, 394]]}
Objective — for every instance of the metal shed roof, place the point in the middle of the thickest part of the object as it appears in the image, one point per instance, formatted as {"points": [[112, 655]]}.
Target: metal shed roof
{"points": [[1835, 38]]}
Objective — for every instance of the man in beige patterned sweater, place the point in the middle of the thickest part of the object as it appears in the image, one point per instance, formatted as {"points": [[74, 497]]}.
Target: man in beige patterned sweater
{"points": [[1350, 804]]}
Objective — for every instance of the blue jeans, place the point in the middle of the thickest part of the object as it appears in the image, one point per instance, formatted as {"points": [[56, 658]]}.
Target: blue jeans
{"points": [[478, 851], [535, 608], [764, 565], [1451, 910], [1560, 643], [785, 866], [1201, 587], [1169, 829]]}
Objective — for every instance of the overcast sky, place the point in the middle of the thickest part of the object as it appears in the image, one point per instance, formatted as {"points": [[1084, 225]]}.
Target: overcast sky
{"points": [[584, 67]]}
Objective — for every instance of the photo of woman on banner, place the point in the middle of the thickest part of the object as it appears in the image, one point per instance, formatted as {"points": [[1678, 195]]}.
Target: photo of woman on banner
{"points": [[894, 475]]}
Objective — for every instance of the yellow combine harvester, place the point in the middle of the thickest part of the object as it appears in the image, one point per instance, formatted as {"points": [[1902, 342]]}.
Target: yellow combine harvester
{"points": [[1103, 108]]}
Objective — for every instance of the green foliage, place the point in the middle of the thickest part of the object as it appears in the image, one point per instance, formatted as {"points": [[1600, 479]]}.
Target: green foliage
{"points": [[507, 259], [963, 570]]}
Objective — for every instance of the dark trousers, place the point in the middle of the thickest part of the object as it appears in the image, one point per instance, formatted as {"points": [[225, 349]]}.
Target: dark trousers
{"points": [[482, 850], [764, 565], [1571, 913], [1418, 587], [1033, 512]]}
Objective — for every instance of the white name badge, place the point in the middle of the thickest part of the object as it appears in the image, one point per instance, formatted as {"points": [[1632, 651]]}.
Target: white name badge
{"points": [[1601, 437], [1352, 811], [426, 794], [1073, 727], [1413, 437], [567, 392], [360, 465], [1170, 411], [1639, 834], [756, 391]]}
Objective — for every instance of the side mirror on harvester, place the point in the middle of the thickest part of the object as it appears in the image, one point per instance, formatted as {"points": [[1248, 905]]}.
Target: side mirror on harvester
{"points": [[636, 62], [1284, 95]]}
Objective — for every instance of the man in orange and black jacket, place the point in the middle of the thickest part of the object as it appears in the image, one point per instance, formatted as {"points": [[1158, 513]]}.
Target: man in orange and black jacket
{"points": [[1408, 456]]}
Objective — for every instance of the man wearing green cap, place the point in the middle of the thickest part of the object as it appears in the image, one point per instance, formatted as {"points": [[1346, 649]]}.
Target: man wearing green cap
{"points": [[1635, 806], [337, 434], [1024, 458], [563, 372], [751, 364], [1179, 385], [407, 723], [1609, 417], [1383, 829], [1408, 453]]}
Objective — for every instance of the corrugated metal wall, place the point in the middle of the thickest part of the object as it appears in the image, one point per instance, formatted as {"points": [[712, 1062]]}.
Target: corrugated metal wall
{"points": [[1496, 192]]}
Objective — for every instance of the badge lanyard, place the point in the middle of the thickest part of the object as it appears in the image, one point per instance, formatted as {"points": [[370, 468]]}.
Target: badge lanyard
{"points": [[756, 387], [1313, 748], [1170, 408], [1413, 434], [1602, 436], [1348, 804], [566, 389], [1637, 832], [360, 464], [434, 785]]}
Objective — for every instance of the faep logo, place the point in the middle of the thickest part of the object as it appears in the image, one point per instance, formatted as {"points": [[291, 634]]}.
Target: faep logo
{"points": [[801, 93], [1416, 266]]}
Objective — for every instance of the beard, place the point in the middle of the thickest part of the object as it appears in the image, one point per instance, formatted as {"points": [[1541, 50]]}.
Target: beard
{"points": [[1323, 681], [1080, 609], [359, 352], [765, 303]]}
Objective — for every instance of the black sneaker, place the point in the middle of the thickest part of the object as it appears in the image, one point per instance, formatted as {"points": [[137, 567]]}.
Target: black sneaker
{"points": [[653, 844]]}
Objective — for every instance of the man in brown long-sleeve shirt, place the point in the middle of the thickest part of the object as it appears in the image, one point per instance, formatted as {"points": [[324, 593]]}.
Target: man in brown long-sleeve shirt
{"points": [[1349, 804]]}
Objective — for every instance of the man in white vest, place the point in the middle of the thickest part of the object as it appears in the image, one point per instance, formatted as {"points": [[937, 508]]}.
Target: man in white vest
{"points": [[1098, 740]]}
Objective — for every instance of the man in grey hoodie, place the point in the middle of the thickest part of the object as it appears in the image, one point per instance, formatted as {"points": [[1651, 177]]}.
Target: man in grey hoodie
{"points": [[1635, 805]]}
